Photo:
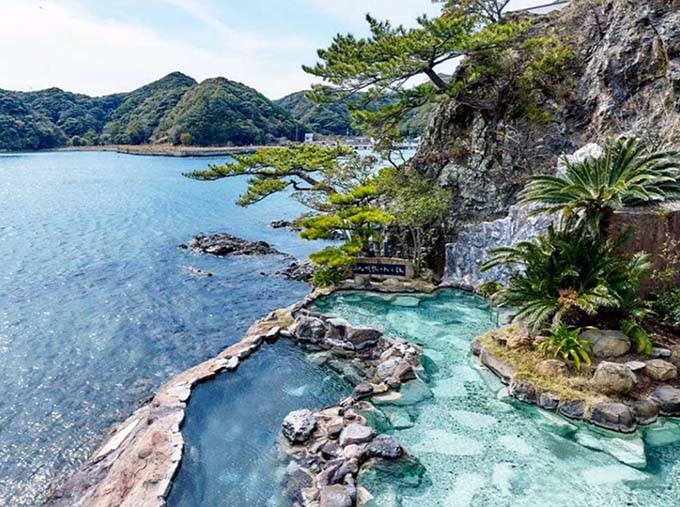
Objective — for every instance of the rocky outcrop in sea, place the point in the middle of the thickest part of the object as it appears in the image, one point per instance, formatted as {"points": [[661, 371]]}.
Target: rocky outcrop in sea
{"points": [[223, 244]]}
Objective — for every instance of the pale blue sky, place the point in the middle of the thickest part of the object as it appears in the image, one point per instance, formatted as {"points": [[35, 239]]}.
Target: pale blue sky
{"points": [[105, 46]]}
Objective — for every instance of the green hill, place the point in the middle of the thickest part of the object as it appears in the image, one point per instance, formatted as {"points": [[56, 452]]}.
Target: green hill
{"points": [[141, 112], [173, 109], [327, 119], [220, 112], [335, 119]]}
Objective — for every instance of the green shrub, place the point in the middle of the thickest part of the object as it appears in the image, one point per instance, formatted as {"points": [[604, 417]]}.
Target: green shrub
{"points": [[565, 342], [571, 278], [327, 277], [667, 307], [489, 289]]}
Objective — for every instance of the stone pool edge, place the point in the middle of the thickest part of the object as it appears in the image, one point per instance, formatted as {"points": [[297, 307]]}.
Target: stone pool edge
{"points": [[137, 463]]}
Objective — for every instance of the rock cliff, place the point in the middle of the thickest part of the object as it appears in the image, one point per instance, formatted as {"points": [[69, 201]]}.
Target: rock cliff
{"points": [[623, 77]]}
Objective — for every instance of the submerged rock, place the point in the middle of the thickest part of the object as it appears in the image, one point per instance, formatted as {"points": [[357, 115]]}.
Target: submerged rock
{"points": [[224, 244], [299, 425]]}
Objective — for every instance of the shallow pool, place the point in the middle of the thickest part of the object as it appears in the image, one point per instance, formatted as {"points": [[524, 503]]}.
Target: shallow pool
{"points": [[233, 422], [480, 448]]}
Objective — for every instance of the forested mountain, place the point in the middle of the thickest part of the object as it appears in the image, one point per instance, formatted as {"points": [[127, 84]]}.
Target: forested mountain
{"points": [[175, 109], [326, 119], [335, 119], [140, 113], [218, 112]]}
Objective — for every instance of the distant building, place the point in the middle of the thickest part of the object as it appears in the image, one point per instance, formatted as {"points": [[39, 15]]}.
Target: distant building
{"points": [[309, 138]]}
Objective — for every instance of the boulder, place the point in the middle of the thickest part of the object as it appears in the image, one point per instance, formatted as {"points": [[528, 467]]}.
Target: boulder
{"points": [[503, 370], [607, 343], [572, 409], [668, 400], [384, 447], [614, 378], [356, 434], [387, 368], [299, 425], [476, 347], [635, 366], [363, 337], [309, 329], [613, 416], [523, 390], [362, 390], [658, 352], [645, 411], [553, 368], [658, 369], [224, 244], [548, 401], [335, 496], [404, 372]]}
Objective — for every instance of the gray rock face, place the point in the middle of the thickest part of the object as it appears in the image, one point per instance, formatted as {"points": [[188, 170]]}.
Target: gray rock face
{"points": [[661, 370], [625, 78], [384, 447], [607, 343], [645, 411], [356, 434], [572, 409], [668, 400], [614, 378], [613, 416], [335, 496], [298, 426], [387, 368]]}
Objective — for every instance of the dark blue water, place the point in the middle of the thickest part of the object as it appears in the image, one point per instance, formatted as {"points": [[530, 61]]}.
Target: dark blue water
{"points": [[232, 425], [96, 306]]}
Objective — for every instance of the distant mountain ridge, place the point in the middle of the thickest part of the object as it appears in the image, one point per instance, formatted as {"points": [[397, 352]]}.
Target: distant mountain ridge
{"points": [[176, 109]]}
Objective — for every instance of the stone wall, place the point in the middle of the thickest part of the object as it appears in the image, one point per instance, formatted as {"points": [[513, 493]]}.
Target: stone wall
{"points": [[653, 231], [466, 255]]}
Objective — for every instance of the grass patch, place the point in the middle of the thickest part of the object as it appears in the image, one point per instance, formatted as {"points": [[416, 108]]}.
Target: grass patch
{"points": [[526, 360]]}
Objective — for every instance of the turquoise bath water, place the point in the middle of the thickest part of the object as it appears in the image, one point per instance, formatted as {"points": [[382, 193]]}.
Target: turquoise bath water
{"points": [[97, 307], [233, 423], [480, 449]]}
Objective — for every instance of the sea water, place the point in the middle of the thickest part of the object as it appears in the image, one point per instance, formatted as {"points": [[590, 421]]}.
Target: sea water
{"points": [[97, 305]]}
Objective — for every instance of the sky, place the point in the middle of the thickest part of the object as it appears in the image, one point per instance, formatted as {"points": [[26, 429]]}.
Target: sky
{"points": [[99, 47]]}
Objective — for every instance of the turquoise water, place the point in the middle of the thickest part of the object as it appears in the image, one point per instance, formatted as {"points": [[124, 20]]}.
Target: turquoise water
{"points": [[232, 425], [479, 448], [96, 306]]}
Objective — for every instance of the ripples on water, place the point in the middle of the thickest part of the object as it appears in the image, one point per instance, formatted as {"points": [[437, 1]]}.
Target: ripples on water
{"points": [[96, 306], [483, 451], [232, 425]]}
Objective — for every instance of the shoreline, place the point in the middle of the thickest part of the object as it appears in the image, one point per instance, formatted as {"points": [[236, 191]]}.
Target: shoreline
{"points": [[161, 150]]}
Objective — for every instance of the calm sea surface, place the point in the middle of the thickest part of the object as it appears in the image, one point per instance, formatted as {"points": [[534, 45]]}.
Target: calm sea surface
{"points": [[97, 307]]}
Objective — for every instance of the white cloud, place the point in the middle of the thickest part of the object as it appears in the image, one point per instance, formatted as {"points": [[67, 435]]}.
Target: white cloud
{"points": [[353, 12], [45, 43]]}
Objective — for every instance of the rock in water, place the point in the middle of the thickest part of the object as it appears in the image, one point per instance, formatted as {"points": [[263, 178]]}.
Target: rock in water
{"points": [[335, 496], [224, 244], [384, 447], [298, 426], [298, 271], [356, 434], [613, 416]]}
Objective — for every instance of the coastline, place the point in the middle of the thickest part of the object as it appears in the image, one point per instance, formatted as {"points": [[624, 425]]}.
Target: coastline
{"points": [[165, 150]]}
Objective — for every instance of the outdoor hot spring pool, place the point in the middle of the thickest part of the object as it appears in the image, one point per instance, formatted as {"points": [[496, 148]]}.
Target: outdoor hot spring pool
{"points": [[478, 448]]}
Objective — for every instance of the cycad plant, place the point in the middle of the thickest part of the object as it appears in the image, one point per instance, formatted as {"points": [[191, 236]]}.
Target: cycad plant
{"points": [[570, 277], [627, 174]]}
